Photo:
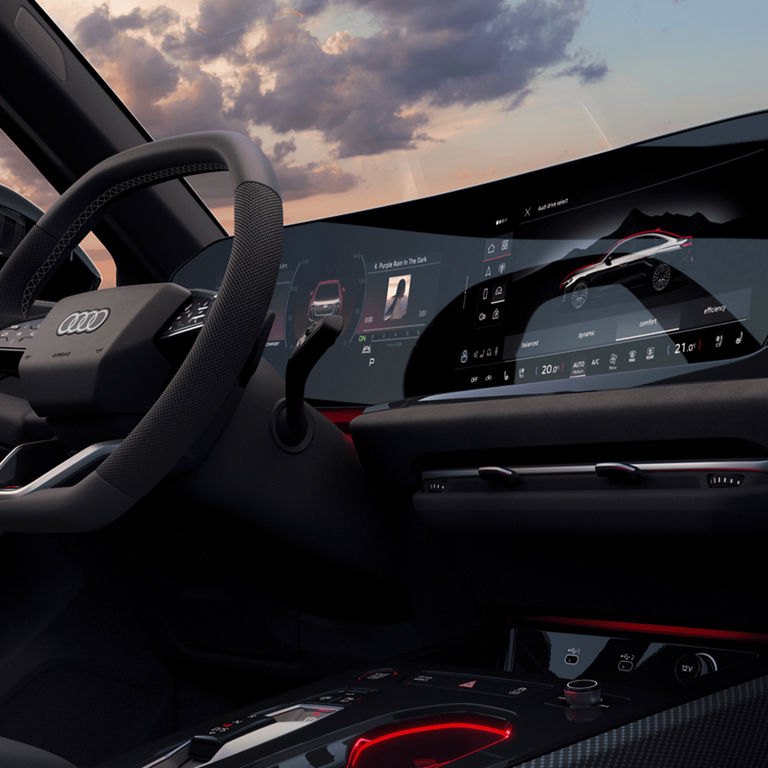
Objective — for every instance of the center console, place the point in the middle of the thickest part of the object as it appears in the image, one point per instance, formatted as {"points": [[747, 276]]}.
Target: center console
{"points": [[558, 693]]}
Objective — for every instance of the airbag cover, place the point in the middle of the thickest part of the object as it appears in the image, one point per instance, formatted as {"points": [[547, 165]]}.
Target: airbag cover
{"points": [[94, 353]]}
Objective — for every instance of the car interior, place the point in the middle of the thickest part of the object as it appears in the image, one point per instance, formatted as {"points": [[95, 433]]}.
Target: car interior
{"points": [[476, 479]]}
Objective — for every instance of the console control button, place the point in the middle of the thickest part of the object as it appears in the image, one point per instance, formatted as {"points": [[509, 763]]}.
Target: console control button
{"points": [[583, 693], [343, 697], [378, 674], [205, 746], [495, 686], [606, 703], [303, 713]]}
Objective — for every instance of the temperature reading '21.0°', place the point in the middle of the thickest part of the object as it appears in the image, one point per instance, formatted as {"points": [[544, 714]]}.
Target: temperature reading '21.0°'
{"points": [[684, 349]]}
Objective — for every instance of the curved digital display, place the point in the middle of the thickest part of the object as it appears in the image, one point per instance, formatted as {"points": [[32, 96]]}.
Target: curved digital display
{"points": [[620, 268]]}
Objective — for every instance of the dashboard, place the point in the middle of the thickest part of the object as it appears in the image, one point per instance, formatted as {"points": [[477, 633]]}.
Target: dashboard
{"points": [[637, 265]]}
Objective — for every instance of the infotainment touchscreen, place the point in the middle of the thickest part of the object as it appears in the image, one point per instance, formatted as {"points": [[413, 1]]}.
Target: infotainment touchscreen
{"points": [[656, 263], [622, 268]]}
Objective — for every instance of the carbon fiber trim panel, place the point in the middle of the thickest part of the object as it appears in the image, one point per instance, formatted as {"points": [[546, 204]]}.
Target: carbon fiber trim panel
{"points": [[728, 729]]}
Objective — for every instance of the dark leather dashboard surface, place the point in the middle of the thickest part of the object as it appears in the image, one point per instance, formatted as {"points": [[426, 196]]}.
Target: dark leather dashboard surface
{"points": [[705, 420], [670, 547]]}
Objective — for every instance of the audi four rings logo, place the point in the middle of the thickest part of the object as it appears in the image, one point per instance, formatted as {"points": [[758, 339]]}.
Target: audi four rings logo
{"points": [[82, 322]]}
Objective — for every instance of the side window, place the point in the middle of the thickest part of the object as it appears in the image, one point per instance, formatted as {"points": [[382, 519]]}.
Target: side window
{"points": [[641, 243], [13, 227], [24, 195], [635, 245]]}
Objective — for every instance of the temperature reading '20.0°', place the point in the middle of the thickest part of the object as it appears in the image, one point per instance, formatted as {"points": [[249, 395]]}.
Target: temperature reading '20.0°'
{"points": [[549, 369]]}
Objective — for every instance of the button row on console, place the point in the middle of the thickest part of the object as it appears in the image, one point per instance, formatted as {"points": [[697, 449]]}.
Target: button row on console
{"points": [[375, 675], [204, 746], [343, 697], [495, 686]]}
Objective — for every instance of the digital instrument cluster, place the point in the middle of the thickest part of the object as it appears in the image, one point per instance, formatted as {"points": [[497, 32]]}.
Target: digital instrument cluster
{"points": [[634, 265]]}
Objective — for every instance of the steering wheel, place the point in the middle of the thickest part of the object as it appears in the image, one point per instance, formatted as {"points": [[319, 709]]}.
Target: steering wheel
{"points": [[78, 354]]}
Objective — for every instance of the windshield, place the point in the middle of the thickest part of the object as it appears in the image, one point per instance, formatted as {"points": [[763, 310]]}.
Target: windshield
{"points": [[361, 103]]}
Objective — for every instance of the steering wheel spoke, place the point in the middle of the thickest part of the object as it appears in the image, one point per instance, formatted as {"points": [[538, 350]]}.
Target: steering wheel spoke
{"points": [[60, 474]]}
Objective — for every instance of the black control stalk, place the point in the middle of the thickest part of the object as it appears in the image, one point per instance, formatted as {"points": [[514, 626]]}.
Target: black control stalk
{"points": [[317, 339]]}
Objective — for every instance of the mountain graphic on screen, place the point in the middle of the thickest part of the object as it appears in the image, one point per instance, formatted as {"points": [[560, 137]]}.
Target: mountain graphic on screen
{"points": [[695, 225]]}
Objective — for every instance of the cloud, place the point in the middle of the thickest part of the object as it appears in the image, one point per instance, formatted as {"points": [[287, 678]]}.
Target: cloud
{"points": [[99, 26], [354, 108], [586, 69], [250, 64], [173, 95], [367, 95], [364, 94], [310, 7], [283, 148], [141, 75], [196, 104], [167, 97], [300, 181], [297, 181], [155, 20], [219, 28]]}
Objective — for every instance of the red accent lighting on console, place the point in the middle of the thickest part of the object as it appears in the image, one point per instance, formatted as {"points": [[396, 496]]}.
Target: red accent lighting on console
{"points": [[653, 629], [341, 417], [427, 742]]}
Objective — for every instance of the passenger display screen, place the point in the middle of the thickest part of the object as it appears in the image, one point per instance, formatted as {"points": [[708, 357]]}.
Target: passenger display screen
{"points": [[644, 259]]}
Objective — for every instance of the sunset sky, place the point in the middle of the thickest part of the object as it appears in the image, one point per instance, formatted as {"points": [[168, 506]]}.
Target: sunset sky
{"points": [[365, 102]]}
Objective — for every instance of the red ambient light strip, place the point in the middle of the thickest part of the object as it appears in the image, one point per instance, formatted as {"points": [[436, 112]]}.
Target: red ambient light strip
{"points": [[655, 629], [341, 416], [363, 743]]}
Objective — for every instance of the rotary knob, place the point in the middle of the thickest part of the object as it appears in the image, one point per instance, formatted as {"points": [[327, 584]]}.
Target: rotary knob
{"points": [[582, 694]]}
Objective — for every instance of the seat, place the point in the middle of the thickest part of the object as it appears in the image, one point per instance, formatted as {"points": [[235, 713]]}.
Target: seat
{"points": [[14, 754]]}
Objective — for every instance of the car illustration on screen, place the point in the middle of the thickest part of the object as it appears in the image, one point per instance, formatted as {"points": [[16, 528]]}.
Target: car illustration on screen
{"points": [[326, 299], [642, 257]]}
